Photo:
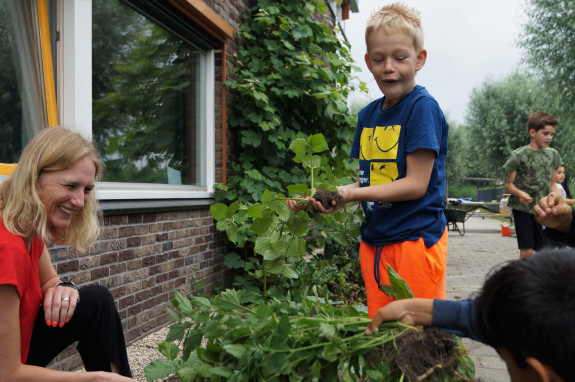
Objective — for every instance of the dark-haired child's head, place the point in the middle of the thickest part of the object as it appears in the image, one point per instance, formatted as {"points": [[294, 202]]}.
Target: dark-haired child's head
{"points": [[526, 310], [538, 120]]}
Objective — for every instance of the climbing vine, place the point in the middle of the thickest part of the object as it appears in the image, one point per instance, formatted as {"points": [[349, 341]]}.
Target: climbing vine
{"points": [[291, 79]]}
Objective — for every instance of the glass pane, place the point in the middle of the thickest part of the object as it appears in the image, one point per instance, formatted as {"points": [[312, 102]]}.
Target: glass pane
{"points": [[146, 102], [21, 98]]}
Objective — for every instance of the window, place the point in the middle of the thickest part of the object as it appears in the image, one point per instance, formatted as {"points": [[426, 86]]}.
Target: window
{"points": [[137, 76], [148, 107]]}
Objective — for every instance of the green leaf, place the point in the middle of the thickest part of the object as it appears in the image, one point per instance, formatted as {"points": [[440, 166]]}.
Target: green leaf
{"points": [[221, 371], [232, 298], [168, 350], [326, 331], [316, 369], [232, 209], [234, 261], [298, 146], [160, 369], [236, 350], [317, 143], [176, 332], [260, 226], [255, 175], [202, 303], [187, 374], [398, 288], [299, 189], [330, 352], [218, 210], [255, 211], [183, 304], [209, 355]]}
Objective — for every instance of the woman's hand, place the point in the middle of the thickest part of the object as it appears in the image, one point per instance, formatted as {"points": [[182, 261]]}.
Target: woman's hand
{"points": [[102, 376], [59, 305]]}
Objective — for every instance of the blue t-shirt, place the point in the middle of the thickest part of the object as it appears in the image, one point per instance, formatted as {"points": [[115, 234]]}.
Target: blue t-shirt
{"points": [[383, 139]]}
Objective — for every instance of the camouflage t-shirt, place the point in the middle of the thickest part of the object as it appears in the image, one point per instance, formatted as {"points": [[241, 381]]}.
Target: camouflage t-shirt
{"points": [[534, 171]]}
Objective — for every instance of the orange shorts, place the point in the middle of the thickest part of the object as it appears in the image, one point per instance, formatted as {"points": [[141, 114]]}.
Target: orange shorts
{"points": [[422, 268]]}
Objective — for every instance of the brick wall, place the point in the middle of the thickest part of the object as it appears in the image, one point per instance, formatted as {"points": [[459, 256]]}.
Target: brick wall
{"points": [[142, 258]]}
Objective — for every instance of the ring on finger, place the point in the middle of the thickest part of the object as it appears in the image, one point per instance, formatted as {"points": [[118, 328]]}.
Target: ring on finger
{"points": [[65, 298]]}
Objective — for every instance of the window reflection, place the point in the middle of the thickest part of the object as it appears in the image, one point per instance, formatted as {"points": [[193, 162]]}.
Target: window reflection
{"points": [[21, 88], [146, 98]]}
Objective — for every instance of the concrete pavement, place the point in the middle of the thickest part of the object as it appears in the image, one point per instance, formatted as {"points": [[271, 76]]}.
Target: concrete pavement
{"points": [[470, 258]]}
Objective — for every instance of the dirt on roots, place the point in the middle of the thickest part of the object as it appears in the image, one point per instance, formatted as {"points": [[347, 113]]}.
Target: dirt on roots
{"points": [[422, 355]]}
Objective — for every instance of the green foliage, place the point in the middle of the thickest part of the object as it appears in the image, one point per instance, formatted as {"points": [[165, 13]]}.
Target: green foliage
{"points": [[462, 189], [456, 163], [497, 122], [299, 338], [549, 45], [398, 289], [291, 79], [273, 238]]}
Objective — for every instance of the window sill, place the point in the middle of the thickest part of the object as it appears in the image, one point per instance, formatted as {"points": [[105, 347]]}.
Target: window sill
{"points": [[119, 207]]}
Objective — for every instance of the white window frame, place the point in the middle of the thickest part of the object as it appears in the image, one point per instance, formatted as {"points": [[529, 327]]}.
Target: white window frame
{"points": [[75, 106]]}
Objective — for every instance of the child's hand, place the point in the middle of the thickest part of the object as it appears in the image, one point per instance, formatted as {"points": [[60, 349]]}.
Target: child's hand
{"points": [[298, 204], [410, 311], [337, 201], [525, 198], [553, 212]]}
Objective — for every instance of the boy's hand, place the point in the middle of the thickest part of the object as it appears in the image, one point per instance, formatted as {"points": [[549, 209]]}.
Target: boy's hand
{"points": [[553, 212], [525, 198], [410, 311], [298, 204], [335, 205]]}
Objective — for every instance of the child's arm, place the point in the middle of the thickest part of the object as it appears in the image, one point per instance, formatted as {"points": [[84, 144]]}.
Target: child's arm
{"points": [[419, 167], [524, 198], [411, 311]]}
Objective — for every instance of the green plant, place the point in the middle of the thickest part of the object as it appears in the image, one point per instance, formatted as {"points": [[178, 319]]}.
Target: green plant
{"points": [[291, 78], [236, 336], [272, 237]]}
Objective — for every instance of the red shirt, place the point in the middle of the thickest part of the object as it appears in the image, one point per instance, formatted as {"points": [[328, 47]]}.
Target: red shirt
{"points": [[20, 268]]}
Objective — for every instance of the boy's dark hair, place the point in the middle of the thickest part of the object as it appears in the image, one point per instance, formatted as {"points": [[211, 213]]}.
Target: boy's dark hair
{"points": [[539, 120], [528, 308]]}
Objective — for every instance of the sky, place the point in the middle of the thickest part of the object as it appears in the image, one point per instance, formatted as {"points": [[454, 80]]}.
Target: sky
{"points": [[467, 43]]}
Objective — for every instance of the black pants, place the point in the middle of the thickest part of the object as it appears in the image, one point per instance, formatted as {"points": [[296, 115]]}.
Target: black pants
{"points": [[95, 325]]}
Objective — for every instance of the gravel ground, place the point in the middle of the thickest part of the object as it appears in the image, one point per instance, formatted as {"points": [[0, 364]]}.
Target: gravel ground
{"points": [[144, 351]]}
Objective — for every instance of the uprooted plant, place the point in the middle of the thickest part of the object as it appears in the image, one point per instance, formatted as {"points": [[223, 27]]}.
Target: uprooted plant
{"points": [[237, 336]]}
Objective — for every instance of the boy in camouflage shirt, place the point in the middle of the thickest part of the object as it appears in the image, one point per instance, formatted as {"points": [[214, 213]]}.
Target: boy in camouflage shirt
{"points": [[531, 169]]}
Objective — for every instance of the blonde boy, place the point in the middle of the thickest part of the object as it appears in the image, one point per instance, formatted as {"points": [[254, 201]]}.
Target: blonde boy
{"points": [[401, 143]]}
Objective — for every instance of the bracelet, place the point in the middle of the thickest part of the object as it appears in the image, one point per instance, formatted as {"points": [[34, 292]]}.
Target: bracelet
{"points": [[67, 284]]}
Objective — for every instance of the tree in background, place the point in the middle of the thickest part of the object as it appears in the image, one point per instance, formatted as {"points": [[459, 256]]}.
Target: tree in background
{"points": [[291, 79], [549, 43], [496, 122]]}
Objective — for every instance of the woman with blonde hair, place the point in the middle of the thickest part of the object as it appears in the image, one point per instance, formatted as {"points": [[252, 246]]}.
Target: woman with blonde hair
{"points": [[50, 198]]}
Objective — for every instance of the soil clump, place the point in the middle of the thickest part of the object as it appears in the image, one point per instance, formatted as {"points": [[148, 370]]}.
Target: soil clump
{"points": [[423, 355], [326, 198]]}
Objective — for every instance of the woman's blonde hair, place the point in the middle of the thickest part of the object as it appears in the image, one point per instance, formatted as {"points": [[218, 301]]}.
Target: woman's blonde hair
{"points": [[397, 18], [24, 214]]}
